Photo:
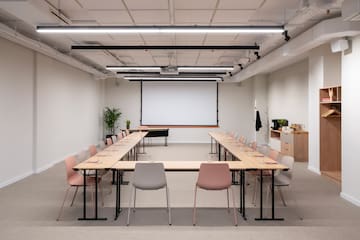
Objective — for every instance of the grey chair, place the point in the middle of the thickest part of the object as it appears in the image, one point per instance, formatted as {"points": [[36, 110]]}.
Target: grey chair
{"points": [[149, 176], [283, 179]]}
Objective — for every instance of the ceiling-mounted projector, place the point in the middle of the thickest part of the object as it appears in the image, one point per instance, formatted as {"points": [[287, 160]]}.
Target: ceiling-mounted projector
{"points": [[169, 70]]}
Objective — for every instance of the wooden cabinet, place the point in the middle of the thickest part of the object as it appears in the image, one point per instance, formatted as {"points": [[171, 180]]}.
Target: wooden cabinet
{"points": [[295, 144], [330, 132]]}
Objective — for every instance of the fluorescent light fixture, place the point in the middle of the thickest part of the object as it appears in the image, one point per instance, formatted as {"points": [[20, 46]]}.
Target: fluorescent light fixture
{"points": [[160, 29], [179, 69], [138, 78], [133, 69], [205, 69]]}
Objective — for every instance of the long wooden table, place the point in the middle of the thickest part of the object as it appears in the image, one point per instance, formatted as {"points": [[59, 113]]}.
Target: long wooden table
{"points": [[254, 161], [104, 160]]}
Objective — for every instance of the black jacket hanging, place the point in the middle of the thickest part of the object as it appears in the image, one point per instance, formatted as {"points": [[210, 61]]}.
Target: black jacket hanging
{"points": [[258, 121]]}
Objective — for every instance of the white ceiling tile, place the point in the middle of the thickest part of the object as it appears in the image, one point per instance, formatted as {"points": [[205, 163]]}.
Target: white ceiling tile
{"points": [[197, 4], [236, 4], [169, 38], [81, 38], [111, 16], [233, 16], [190, 37], [151, 17], [193, 16], [102, 5], [101, 58], [186, 60], [126, 38], [65, 5], [146, 4], [162, 60]]}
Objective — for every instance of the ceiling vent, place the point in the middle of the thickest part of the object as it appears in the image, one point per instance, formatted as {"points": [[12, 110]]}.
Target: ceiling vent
{"points": [[170, 70]]}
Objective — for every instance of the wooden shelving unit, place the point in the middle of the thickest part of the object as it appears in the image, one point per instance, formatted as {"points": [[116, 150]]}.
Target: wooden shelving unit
{"points": [[330, 132], [275, 133]]}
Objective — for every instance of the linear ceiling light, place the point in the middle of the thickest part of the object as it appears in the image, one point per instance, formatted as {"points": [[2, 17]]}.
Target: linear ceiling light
{"points": [[139, 78], [160, 29], [206, 69], [165, 47], [133, 69], [179, 69]]}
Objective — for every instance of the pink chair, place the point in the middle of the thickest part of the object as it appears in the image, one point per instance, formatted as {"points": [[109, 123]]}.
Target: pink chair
{"points": [[74, 179], [109, 141], [120, 136], [214, 176], [92, 150]]}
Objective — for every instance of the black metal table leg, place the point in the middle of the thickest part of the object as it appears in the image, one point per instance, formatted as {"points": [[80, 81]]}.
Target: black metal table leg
{"points": [[219, 153], [243, 195], [96, 199], [272, 218], [118, 186]]}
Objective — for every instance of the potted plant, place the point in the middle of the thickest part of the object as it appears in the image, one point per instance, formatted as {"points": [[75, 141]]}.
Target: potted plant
{"points": [[128, 124], [111, 117]]}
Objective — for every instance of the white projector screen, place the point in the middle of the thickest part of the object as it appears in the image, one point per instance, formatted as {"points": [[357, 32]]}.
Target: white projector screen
{"points": [[179, 103]]}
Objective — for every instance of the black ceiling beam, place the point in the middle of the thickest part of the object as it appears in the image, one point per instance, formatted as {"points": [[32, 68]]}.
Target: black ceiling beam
{"points": [[165, 47]]}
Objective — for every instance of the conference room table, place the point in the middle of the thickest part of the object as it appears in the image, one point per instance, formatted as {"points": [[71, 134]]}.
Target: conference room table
{"points": [[104, 160], [255, 161]]}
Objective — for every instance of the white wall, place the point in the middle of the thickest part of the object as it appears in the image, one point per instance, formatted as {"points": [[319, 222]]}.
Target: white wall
{"points": [[350, 123], [324, 71], [235, 109], [288, 96], [67, 111], [16, 106], [48, 111], [261, 105]]}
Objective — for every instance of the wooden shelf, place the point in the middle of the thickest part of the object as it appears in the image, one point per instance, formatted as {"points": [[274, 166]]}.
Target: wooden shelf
{"points": [[275, 134], [331, 102], [330, 132]]}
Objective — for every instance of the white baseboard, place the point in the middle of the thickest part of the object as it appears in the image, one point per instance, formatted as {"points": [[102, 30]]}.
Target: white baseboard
{"points": [[351, 199], [314, 170], [15, 179]]}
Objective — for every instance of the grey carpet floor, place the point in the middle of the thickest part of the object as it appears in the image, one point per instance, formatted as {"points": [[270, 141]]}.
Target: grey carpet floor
{"points": [[315, 210]]}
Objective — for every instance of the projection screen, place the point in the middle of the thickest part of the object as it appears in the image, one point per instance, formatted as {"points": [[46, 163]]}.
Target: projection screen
{"points": [[179, 103]]}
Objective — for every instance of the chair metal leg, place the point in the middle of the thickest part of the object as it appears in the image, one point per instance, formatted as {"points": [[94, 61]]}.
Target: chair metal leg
{"points": [[134, 199], [72, 201], [255, 191], [129, 209], [167, 204], [62, 205], [194, 209], [227, 198], [235, 212], [281, 196]]}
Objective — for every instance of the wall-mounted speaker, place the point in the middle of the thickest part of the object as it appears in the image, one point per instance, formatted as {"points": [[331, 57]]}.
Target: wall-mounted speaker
{"points": [[339, 45]]}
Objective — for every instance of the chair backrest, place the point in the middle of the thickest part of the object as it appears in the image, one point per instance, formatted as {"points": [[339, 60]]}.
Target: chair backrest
{"points": [[214, 176], [264, 149], [113, 139], [92, 150], [127, 132], [120, 135], [109, 141], [242, 139], [83, 155], [123, 133], [253, 145], [70, 162], [149, 176], [285, 176], [273, 154], [101, 145]]}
